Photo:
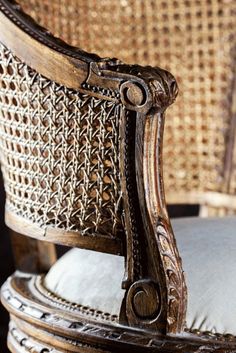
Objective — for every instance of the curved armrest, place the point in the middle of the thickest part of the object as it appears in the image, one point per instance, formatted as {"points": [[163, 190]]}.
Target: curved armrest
{"points": [[157, 293], [154, 282], [73, 67]]}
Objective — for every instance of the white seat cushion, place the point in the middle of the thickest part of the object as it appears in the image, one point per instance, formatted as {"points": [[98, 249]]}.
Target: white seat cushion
{"points": [[208, 250], [88, 278]]}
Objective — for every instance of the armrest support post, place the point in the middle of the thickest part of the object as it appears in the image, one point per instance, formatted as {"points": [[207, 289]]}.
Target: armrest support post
{"points": [[156, 290], [155, 287]]}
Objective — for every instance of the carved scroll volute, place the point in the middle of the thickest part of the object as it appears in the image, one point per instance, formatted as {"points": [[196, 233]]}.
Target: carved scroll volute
{"points": [[156, 293], [156, 290]]}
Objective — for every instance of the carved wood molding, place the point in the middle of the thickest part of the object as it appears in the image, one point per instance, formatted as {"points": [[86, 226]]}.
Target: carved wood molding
{"points": [[64, 330], [138, 88], [156, 292], [19, 341], [161, 231]]}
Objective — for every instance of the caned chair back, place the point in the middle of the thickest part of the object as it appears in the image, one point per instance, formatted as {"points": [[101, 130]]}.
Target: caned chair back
{"points": [[60, 156], [196, 41]]}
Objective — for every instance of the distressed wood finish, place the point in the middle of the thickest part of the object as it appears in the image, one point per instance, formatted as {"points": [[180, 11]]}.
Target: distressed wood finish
{"points": [[144, 92], [154, 305], [31, 255], [68, 329]]}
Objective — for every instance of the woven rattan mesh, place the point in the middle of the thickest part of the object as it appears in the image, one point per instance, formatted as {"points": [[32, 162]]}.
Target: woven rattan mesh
{"points": [[60, 152], [196, 41]]}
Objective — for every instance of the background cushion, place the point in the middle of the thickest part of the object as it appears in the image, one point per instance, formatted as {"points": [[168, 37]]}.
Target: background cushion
{"points": [[208, 250]]}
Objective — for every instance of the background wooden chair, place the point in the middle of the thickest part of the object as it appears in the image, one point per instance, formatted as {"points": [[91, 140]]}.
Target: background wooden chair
{"points": [[81, 141], [194, 40]]}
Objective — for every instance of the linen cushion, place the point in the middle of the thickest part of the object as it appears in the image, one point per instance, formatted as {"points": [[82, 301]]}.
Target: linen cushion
{"points": [[89, 278], [208, 250]]}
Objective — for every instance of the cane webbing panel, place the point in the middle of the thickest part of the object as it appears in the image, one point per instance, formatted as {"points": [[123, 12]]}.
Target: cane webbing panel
{"points": [[196, 41], [59, 152]]}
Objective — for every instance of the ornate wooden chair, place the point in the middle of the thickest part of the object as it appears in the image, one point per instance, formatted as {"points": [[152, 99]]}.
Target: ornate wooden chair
{"points": [[81, 155]]}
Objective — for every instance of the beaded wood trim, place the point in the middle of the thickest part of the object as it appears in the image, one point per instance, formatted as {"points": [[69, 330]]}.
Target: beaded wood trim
{"points": [[17, 295], [55, 300], [224, 337], [60, 152], [18, 340], [90, 312]]}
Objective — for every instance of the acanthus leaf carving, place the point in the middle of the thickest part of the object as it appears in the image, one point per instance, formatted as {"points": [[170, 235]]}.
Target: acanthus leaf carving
{"points": [[174, 278]]}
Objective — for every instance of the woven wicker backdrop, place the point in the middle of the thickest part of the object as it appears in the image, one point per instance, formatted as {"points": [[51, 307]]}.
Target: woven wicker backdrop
{"points": [[196, 41]]}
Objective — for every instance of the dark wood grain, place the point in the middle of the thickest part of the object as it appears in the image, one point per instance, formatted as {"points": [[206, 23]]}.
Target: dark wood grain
{"points": [[152, 315], [74, 331]]}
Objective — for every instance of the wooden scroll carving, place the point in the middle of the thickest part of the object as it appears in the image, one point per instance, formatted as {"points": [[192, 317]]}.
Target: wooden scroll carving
{"points": [[155, 287], [156, 291], [39, 326]]}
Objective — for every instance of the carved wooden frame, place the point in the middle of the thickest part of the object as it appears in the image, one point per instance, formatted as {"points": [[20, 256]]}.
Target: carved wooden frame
{"points": [[40, 321], [156, 295], [154, 282]]}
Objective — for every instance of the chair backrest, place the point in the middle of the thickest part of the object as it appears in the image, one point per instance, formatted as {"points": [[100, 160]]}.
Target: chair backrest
{"points": [[81, 142], [82, 136], [196, 41], [60, 154]]}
